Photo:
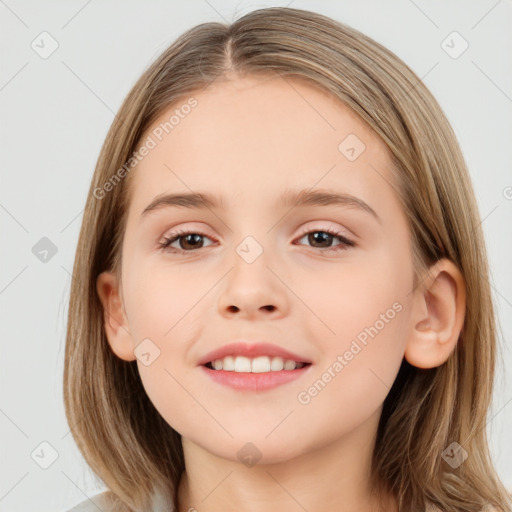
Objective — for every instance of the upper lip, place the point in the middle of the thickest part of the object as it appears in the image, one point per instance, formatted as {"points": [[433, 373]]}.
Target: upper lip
{"points": [[251, 350]]}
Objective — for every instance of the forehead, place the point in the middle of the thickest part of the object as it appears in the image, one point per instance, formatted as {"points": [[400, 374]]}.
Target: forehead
{"points": [[246, 137]]}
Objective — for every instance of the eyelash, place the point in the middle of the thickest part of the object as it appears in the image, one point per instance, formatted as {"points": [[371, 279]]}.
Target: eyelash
{"points": [[173, 237]]}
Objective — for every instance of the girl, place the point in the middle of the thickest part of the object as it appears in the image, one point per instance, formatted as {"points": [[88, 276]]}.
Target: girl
{"points": [[280, 297]]}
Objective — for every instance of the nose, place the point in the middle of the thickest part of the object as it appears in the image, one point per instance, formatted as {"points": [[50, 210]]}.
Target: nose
{"points": [[233, 308], [253, 290]]}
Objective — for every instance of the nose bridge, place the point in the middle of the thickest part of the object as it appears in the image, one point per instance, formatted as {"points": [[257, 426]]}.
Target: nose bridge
{"points": [[251, 285], [250, 231], [251, 262]]}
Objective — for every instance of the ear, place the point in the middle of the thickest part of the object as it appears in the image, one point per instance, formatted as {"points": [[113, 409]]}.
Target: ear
{"points": [[438, 312], [115, 321]]}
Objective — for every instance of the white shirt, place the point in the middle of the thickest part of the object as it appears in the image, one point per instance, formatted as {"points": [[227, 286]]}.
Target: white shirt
{"points": [[99, 503]]}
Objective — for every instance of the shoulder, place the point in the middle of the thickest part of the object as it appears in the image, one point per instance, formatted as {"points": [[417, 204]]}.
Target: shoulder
{"points": [[102, 502], [92, 504]]}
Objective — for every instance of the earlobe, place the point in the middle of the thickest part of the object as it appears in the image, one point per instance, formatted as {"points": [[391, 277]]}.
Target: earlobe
{"points": [[114, 317], [437, 316]]}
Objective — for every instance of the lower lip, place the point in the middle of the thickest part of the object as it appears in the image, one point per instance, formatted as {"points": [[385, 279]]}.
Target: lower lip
{"points": [[245, 381]]}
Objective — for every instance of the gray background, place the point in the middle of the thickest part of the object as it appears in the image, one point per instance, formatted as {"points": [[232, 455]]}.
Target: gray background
{"points": [[55, 114]]}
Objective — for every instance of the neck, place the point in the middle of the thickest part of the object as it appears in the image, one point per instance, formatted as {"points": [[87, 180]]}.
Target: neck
{"points": [[335, 476]]}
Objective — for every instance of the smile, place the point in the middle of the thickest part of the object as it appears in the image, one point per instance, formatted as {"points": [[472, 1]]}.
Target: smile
{"points": [[259, 374], [261, 364]]}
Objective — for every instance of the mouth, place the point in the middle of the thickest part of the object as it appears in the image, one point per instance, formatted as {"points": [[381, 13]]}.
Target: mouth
{"points": [[257, 374], [260, 364]]}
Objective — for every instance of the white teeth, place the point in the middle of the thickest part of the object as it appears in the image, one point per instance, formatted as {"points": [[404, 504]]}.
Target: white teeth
{"points": [[242, 364], [228, 363], [261, 364], [289, 365], [276, 364]]}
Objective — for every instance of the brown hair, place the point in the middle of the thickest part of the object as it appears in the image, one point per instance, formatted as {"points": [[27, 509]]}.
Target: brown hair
{"points": [[121, 435]]}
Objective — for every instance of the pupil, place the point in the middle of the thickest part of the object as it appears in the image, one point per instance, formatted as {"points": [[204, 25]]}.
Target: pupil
{"points": [[320, 237], [194, 237]]}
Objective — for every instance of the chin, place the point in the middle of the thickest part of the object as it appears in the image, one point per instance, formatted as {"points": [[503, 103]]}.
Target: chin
{"points": [[251, 452]]}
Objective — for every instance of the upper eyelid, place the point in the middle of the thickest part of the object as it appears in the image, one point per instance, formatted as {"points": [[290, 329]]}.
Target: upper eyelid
{"points": [[305, 228], [333, 229]]}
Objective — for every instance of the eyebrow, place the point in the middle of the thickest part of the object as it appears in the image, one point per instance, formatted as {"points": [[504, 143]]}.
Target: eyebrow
{"points": [[290, 198]]}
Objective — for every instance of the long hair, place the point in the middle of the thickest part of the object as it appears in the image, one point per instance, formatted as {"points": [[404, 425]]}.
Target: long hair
{"points": [[117, 429]]}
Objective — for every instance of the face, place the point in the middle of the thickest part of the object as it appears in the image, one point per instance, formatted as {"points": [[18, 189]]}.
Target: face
{"points": [[326, 280]]}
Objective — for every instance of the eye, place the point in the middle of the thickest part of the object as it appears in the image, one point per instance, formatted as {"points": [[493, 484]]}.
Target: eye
{"points": [[322, 239], [189, 241]]}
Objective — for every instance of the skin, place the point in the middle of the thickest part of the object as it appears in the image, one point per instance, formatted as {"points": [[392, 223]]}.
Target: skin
{"points": [[248, 140]]}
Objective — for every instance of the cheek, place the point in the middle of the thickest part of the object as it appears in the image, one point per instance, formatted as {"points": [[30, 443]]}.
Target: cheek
{"points": [[164, 307], [361, 360], [351, 296], [365, 314], [161, 300]]}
